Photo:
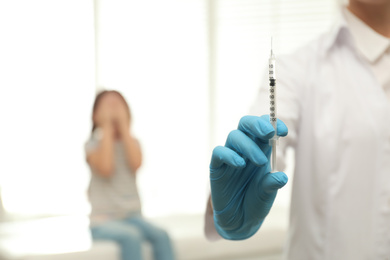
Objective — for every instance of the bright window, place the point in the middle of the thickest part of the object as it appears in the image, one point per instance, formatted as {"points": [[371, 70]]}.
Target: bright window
{"points": [[46, 91]]}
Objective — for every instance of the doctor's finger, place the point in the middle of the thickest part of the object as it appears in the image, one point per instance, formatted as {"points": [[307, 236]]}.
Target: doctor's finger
{"points": [[244, 145], [282, 129], [263, 190], [223, 155], [258, 127]]}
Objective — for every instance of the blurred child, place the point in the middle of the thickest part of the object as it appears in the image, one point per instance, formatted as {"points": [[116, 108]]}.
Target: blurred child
{"points": [[114, 156]]}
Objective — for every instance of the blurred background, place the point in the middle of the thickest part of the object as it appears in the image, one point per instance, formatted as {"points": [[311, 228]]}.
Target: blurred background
{"points": [[189, 69]]}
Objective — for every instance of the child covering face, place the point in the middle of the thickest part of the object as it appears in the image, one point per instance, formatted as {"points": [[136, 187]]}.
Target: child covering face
{"points": [[114, 156]]}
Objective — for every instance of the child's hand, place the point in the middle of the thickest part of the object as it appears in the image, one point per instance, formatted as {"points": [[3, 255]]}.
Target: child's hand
{"points": [[121, 118], [104, 115]]}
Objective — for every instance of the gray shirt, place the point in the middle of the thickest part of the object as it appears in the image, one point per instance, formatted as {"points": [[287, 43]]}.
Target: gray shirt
{"points": [[115, 197]]}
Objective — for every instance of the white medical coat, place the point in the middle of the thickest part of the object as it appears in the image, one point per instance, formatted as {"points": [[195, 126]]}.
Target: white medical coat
{"points": [[338, 117]]}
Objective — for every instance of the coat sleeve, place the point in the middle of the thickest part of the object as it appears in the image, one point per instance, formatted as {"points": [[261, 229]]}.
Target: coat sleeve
{"points": [[209, 228]]}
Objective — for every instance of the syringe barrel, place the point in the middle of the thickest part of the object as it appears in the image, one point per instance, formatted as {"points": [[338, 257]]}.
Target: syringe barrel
{"points": [[272, 113], [272, 92]]}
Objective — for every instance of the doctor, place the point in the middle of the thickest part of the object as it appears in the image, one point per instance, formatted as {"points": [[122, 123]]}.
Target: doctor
{"points": [[334, 97]]}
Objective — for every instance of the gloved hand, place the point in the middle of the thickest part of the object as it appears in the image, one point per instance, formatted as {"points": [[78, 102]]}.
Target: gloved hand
{"points": [[242, 187]]}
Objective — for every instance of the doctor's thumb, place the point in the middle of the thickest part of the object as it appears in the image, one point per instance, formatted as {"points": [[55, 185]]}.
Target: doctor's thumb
{"points": [[273, 181]]}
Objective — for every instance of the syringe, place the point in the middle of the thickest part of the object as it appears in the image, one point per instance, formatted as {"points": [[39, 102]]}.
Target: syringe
{"points": [[272, 114]]}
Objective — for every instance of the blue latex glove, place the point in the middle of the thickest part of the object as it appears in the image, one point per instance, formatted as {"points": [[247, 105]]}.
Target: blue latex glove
{"points": [[242, 187]]}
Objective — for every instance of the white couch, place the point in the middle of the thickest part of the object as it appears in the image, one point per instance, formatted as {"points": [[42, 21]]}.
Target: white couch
{"points": [[189, 242]]}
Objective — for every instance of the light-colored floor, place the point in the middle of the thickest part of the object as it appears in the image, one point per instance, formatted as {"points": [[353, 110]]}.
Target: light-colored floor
{"points": [[275, 257], [269, 257]]}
